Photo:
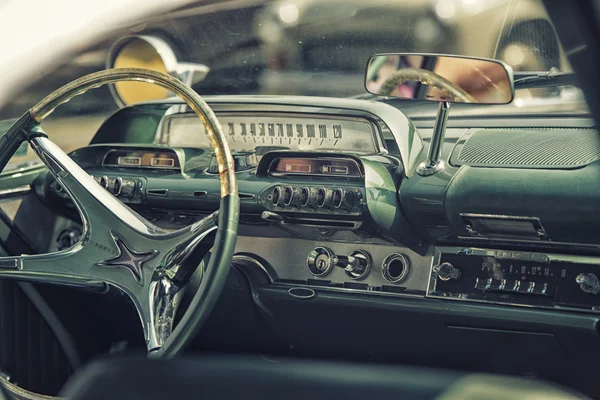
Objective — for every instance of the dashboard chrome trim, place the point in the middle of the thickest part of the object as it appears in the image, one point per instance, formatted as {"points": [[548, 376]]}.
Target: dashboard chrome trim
{"points": [[253, 261], [538, 242], [16, 191], [367, 292], [280, 119], [390, 121]]}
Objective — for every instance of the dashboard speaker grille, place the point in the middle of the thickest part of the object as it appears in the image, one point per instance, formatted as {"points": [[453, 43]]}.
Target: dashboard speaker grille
{"points": [[558, 148]]}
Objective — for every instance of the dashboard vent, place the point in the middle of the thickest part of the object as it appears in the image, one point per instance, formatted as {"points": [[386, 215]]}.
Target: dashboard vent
{"points": [[546, 148]]}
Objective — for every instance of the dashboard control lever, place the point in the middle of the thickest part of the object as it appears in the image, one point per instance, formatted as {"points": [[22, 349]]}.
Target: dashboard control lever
{"points": [[356, 265], [273, 217], [589, 283], [280, 221], [446, 271]]}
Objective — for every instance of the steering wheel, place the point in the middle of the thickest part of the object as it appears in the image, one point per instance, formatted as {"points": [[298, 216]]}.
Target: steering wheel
{"points": [[121, 249], [428, 78]]}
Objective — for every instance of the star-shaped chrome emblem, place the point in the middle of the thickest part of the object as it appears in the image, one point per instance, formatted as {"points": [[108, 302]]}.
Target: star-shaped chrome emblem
{"points": [[129, 259]]}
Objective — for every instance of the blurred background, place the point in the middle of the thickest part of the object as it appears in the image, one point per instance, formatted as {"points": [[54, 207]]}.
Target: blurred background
{"points": [[303, 47]]}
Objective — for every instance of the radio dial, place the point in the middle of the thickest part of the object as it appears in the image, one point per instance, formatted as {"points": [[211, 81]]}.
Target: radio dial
{"points": [[589, 283], [446, 271]]}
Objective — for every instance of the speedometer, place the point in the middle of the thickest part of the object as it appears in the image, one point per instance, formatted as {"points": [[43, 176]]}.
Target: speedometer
{"points": [[276, 131]]}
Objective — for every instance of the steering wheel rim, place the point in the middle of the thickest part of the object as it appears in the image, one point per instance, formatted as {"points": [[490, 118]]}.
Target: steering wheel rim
{"points": [[428, 78], [119, 242]]}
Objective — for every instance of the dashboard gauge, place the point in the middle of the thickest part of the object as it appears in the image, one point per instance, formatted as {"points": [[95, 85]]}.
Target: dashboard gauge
{"points": [[163, 162], [142, 158], [317, 166], [129, 161], [252, 132]]}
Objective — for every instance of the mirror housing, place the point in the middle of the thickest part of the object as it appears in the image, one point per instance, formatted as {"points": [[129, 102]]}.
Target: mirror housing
{"points": [[441, 78], [151, 52]]}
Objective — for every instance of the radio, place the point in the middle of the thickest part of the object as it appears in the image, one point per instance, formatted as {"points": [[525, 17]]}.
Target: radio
{"points": [[516, 278]]}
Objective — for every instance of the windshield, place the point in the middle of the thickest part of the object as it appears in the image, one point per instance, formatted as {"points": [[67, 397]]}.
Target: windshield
{"points": [[315, 48]]}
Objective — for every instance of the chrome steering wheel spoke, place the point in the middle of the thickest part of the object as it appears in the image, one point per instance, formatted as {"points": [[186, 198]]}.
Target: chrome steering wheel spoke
{"points": [[121, 249]]}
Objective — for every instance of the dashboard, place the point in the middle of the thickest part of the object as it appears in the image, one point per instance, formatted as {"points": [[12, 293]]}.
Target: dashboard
{"points": [[334, 183], [499, 248]]}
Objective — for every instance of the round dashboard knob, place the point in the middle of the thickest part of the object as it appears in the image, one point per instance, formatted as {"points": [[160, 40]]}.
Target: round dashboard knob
{"points": [[343, 199], [325, 198], [127, 188], [304, 196], [288, 195], [446, 271], [589, 283], [277, 196]]}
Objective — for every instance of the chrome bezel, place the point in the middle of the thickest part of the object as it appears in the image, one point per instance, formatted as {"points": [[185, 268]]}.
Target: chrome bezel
{"points": [[386, 265]]}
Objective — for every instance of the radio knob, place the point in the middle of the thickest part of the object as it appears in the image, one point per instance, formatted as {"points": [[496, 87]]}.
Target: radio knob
{"points": [[589, 283], [446, 271]]}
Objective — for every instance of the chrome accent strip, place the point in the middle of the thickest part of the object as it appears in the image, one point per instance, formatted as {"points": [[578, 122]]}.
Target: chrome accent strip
{"points": [[543, 236], [246, 196], [16, 191], [368, 292], [478, 251], [254, 261], [545, 242], [11, 263], [386, 117]]}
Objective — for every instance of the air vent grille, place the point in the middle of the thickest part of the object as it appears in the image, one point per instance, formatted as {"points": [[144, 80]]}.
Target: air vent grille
{"points": [[529, 148]]}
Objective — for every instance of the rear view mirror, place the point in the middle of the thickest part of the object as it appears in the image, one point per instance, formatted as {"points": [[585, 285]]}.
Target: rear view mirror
{"points": [[451, 79]]}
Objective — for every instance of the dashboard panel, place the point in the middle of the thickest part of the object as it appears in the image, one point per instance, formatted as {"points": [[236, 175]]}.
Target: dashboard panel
{"points": [[325, 168], [351, 224]]}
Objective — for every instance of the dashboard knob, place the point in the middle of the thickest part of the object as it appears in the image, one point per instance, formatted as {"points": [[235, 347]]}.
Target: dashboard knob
{"points": [[294, 196], [313, 198], [127, 187], [356, 265], [589, 283], [325, 198], [304, 196], [288, 195], [277, 196], [347, 202], [104, 181], [446, 271]]}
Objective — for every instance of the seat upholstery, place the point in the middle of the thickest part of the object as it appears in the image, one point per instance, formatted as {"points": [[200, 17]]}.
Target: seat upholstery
{"points": [[213, 377]]}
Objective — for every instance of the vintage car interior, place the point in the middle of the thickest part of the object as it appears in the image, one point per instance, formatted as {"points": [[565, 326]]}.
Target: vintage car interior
{"points": [[317, 246]]}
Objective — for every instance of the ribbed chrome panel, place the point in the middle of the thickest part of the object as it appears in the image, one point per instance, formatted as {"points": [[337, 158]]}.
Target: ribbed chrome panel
{"points": [[529, 148]]}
